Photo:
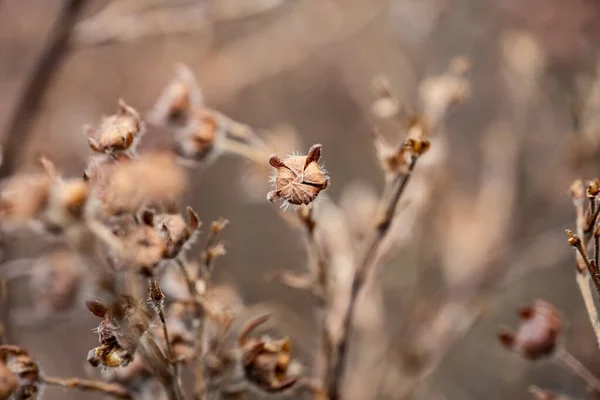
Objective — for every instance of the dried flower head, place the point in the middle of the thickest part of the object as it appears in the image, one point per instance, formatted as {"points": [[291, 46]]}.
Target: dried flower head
{"points": [[22, 199], [150, 180], [177, 100], [8, 382], [144, 248], [298, 179], [118, 133], [119, 332], [199, 139], [65, 205], [25, 369], [538, 333], [176, 234], [266, 360]]}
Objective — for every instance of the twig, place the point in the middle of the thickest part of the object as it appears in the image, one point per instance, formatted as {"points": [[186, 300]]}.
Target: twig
{"points": [[151, 352], [18, 128], [583, 275], [569, 361], [360, 276], [321, 280], [88, 385]]}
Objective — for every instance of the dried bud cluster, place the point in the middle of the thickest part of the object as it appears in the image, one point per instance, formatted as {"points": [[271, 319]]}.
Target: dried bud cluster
{"points": [[266, 360], [298, 179], [20, 374], [118, 133], [538, 333], [119, 332]]}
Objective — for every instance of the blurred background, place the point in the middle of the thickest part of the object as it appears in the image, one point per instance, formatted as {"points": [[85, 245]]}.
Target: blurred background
{"points": [[487, 234]]}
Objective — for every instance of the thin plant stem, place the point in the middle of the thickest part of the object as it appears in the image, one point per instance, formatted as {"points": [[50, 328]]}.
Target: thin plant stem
{"points": [[321, 280], [570, 362], [361, 273], [583, 275], [88, 385], [244, 150]]}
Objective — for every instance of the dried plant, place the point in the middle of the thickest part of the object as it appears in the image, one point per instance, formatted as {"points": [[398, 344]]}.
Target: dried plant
{"points": [[159, 310]]}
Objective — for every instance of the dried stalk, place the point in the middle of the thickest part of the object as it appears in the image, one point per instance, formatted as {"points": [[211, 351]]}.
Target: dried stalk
{"points": [[360, 277], [151, 352], [321, 281], [88, 385], [583, 276], [570, 362]]}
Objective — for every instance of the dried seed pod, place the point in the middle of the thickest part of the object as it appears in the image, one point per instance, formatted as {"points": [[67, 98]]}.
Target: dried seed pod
{"points": [[266, 360], [23, 198], [145, 248], [119, 331], [298, 179], [176, 234], [125, 187], [537, 335], [118, 133], [199, 139], [65, 205], [19, 362], [178, 99]]}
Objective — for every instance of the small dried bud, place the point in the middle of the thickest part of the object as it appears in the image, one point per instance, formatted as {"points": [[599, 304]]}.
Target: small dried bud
{"points": [[176, 234], [218, 225], [577, 190], [299, 179], [573, 239], [196, 141], [20, 363], [155, 294], [177, 100], [145, 247], [593, 188], [392, 160], [118, 133], [537, 336], [266, 360]]}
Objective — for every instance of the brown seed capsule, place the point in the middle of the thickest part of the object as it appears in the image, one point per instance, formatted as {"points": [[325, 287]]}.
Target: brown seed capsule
{"points": [[118, 133], [299, 179], [174, 231], [178, 99], [538, 333], [119, 331], [24, 368], [196, 141], [266, 360], [23, 198]]}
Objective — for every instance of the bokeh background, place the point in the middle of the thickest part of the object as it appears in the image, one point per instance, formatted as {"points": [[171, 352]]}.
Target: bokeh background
{"points": [[491, 234]]}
